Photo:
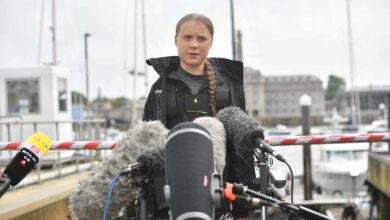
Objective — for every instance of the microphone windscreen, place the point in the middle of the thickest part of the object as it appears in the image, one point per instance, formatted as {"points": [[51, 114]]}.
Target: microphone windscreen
{"points": [[218, 136], [89, 199], [240, 128], [153, 162], [188, 168]]}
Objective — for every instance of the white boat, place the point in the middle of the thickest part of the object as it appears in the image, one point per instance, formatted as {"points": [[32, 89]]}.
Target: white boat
{"points": [[341, 169]]}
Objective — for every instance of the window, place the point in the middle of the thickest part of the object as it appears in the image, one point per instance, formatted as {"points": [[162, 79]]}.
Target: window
{"points": [[23, 96], [62, 95], [339, 155]]}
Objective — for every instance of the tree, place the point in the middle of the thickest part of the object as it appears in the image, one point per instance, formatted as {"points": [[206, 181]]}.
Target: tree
{"points": [[118, 102], [335, 84]]}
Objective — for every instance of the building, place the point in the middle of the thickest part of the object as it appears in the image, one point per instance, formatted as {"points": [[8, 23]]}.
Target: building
{"points": [[282, 95], [369, 97], [122, 116], [254, 93], [36, 98]]}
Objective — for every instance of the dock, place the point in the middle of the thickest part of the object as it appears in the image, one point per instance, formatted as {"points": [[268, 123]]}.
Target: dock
{"points": [[40, 201]]}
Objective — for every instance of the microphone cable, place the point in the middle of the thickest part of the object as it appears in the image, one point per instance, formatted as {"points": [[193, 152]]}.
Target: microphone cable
{"points": [[108, 199], [128, 170]]}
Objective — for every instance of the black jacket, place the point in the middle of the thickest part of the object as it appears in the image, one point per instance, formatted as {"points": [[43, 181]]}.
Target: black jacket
{"points": [[165, 89], [164, 103]]}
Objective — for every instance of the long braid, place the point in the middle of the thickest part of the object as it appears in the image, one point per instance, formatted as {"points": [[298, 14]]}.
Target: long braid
{"points": [[212, 86]]}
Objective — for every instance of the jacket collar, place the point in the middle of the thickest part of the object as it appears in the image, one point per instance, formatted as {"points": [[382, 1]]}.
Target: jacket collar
{"points": [[165, 65]]}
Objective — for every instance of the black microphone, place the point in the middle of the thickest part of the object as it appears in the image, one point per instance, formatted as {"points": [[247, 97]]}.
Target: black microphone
{"points": [[267, 148], [89, 199], [152, 162], [246, 133], [24, 161], [153, 159], [189, 167]]}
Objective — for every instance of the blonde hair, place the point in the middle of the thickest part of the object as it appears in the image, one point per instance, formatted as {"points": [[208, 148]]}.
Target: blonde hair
{"points": [[196, 17], [211, 75], [208, 68]]}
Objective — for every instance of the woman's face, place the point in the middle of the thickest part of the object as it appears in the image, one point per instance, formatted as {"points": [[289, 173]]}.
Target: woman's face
{"points": [[193, 42]]}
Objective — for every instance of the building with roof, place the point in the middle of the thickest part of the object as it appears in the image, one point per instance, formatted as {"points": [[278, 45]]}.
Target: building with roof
{"points": [[370, 98], [282, 95]]}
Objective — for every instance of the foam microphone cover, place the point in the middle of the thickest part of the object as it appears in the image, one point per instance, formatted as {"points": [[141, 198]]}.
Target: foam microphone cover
{"points": [[240, 128], [188, 168], [153, 162], [89, 199], [218, 136]]}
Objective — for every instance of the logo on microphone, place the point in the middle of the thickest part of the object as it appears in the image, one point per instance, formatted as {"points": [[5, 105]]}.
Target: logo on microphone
{"points": [[205, 181], [34, 149]]}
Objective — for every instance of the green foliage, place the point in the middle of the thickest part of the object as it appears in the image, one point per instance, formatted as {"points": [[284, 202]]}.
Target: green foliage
{"points": [[118, 102], [335, 84]]}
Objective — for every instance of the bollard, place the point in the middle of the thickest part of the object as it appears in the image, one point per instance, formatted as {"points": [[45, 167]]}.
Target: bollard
{"points": [[305, 103]]}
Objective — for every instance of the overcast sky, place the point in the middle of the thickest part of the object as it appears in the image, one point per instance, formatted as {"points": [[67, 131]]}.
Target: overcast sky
{"points": [[279, 37]]}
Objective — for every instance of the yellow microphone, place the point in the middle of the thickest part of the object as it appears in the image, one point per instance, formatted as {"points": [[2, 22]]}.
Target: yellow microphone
{"points": [[25, 160]]}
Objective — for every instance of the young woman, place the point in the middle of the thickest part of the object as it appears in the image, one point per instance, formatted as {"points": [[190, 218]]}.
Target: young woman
{"points": [[192, 85]]}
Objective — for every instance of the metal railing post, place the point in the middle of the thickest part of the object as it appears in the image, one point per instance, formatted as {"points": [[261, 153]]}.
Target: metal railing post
{"points": [[21, 130], [35, 127], [98, 153], [89, 135], [58, 161], [388, 118], [9, 138], [78, 151], [1, 132], [9, 131], [105, 134]]}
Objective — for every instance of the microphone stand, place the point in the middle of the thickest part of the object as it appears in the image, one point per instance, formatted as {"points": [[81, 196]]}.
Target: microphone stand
{"points": [[266, 187], [299, 210], [5, 183], [262, 164], [143, 206]]}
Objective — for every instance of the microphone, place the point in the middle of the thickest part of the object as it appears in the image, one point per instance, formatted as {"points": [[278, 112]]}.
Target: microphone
{"points": [[24, 161], [218, 137], [89, 199], [264, 146], [246, 133], [152, 161], [189, 167]]}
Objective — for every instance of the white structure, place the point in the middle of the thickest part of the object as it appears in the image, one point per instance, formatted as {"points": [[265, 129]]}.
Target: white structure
{"points": [[40, 95]]}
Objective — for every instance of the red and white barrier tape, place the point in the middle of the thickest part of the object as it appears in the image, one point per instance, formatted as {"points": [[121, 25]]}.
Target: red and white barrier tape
{"points": [[328, 139], [274, 141], [67, 145]]}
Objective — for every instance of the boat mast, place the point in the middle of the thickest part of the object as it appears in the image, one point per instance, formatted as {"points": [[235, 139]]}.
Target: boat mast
{"points": [[53, 29], [144, 45]]}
